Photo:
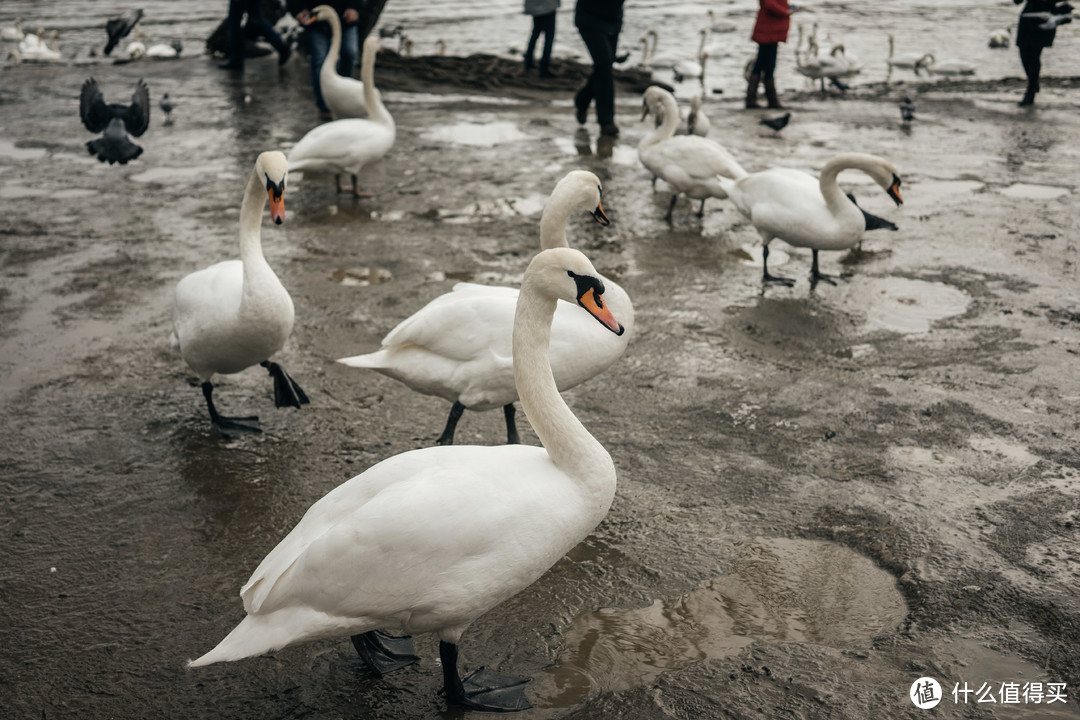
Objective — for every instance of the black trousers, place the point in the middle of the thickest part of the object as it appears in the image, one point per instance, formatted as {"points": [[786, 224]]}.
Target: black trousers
{"points": [[765, 64], [235, 36], [1031, 57], [542, 24], [601, 83]]}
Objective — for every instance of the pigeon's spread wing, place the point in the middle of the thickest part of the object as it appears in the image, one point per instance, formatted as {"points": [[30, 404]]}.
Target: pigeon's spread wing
{"points": [[92, 108], [137, 117]]}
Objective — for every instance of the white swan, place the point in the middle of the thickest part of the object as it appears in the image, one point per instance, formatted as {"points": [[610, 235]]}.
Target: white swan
{"points": [[834, 66], [805, 211], [34, 48], [430, 540], [165, 51], [458, 346], [344, 95], [688, 163], [720, 26], [946, 67], [693, 68], [906, 60], [668, 59], [1000, 38], [236, 314], [697, 122], [14, 32], [350, 144]]}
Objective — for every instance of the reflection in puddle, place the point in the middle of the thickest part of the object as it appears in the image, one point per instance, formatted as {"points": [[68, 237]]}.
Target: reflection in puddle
{"points": [[9, 151], [361, 277], [899, 304], [780, 590], [477, 134], [1035, 192]]}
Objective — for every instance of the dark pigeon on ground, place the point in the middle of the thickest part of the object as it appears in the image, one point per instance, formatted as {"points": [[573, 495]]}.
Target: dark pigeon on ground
{"points": [[873, 222], [777, 123], [119, 27], [116, 120], [907, 109], [166, 107]]}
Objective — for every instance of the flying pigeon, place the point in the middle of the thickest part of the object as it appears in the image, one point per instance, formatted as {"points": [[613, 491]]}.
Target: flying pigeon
{"points": [[907, 109], [777, 123], [116, 120], [166, 107], [119, 27]]}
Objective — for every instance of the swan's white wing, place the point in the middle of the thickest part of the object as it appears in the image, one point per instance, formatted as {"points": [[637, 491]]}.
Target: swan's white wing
{"points": [[341, 145], [688, 160], [207, 294]]}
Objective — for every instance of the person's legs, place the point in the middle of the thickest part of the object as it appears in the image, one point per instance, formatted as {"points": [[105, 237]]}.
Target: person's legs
{"points": [[350, 50], [601, 47], [1031, 58], [255, 17], [766, 65], [530, 50], [547, 25], [234, 39], [318, 45]]}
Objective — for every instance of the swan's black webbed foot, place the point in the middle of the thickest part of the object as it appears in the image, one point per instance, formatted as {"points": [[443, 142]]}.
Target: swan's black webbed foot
{"points": [[512, 437], [385, 653], [701, 210], [816, 275], [228, 426], [286, 392], [768, 279], [482, 690], [447, 437]]}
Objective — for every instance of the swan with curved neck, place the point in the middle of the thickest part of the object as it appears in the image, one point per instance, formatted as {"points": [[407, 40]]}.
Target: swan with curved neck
{"points": [[809, 212], [236, 313], [430, 540], [350, 144], [344, 95], [906, 60], [688, 163], [459, 347]]}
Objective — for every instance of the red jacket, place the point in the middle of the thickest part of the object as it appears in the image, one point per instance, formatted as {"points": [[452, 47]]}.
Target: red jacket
{"points": [[772, 22]]}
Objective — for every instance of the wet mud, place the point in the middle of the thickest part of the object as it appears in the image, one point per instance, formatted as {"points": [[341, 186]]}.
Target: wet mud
{"points": [[823, 493]]}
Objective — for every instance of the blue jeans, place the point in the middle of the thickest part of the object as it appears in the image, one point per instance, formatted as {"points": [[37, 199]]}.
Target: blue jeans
{"points": [[318, 40]]}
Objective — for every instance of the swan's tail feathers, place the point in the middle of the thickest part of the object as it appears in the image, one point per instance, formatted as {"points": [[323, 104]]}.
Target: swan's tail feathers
{"points": [[255, 635], [376, 360]]}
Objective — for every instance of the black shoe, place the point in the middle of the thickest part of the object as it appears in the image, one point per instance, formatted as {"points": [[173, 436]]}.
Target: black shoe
{"points": [[232, 64], [545, 73], [610, 130], [529, 62], [283, 55]]}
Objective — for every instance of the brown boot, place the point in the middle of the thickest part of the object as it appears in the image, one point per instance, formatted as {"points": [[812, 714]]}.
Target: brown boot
{"points": [[770, 93], [751, 91]]}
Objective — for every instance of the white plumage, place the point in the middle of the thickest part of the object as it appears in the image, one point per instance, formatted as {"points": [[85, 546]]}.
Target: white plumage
{"points": [[344, 95]]}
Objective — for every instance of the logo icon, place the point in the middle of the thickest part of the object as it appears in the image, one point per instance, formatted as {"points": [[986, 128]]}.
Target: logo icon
{"points": [[925, 693]]}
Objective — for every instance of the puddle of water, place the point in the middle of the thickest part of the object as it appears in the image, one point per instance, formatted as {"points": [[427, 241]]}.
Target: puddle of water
{"points": [[361, 277], [169, 175], [935, 190], [11, 191], [1000, 447], [1035, 192], [477, 134], [899, 304], [780, 590], [74, 193], [498, 207], [9, 151]]}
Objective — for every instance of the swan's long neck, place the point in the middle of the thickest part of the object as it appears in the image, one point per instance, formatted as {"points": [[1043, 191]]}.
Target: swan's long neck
{"points": [[251, 254], [331, 62], [701, 45], [375, 109], [830, 187], [568, 443], [667, 126], [553, 221]]}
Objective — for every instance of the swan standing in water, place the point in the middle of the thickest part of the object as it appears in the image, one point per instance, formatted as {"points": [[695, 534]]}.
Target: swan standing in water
{"points": [[689, 164], [14, 32], [459, 346], [236, 314], [805, 211], [350, 144], [430, 540], [344, 95]]}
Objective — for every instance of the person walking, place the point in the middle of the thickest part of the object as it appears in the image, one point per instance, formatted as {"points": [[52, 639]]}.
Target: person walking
{"points": [[599, 23], [770, 29], [1031, 39], [234, 39], [317, 37], [543, 17]]}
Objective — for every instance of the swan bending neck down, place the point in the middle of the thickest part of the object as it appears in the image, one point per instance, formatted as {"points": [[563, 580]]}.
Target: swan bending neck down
{"points": [[430, 540], [808, 212], [687, 163], [350, 144], [459, 347], [345, 96], [236, 314]]}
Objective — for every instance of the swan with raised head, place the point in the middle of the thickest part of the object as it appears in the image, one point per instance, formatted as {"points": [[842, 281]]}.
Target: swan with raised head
{"points": [[833, 66], [350, 144], [34, 48], [809, 212], [907, 60], [431, 539], [344, 95], [13, 32], [236, 314], [459, 346], [697, 122], [687, 163]]}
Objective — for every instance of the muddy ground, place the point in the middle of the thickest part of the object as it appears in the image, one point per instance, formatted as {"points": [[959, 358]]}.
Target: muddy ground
{"points": [[823, 494]]}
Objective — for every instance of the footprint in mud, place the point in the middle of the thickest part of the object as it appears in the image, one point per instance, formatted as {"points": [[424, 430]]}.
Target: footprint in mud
{"points": [[780, 590]]}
